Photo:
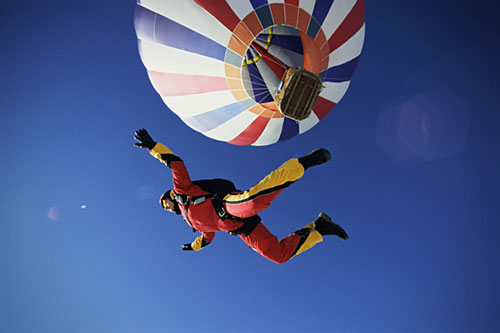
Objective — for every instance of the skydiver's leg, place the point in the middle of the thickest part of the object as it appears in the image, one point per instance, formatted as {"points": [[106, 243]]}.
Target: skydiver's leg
{"points": [[259, 197], [267, 245]]}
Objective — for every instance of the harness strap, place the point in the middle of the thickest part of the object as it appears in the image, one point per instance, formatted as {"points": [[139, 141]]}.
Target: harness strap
{"points": [[249, 223], [187, 200]]}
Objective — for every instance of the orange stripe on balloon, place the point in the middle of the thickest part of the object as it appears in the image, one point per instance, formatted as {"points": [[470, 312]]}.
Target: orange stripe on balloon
{"points": [[321, 39], [266, 110], [240, 94], [232, 72], [324, 56], [270, 106], [234, 84], [237, 46], [243, 33], [312, 60], [278, 12], [324, 64], [257, 109], [253, 23], [278, 115], [304, 18], [324, 50], [291, 14]]}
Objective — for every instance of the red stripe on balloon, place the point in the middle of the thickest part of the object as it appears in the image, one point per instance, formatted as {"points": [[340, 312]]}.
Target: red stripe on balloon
{"points": [[221, 11], [322, 107], [167, 84], [276, 65], [351, 24], [251, 133]]}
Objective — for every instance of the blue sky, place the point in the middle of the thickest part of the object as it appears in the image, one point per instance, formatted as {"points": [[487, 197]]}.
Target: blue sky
{"points": [[84, 246]]}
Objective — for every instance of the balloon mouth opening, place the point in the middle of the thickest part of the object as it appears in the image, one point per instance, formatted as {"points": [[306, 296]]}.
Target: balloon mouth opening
{"points": [[267, 58]]}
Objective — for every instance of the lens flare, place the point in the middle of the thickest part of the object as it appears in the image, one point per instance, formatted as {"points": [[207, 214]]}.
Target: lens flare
{"points": [[53, 214]]}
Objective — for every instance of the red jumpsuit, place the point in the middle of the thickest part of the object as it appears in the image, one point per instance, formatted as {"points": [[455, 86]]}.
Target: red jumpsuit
{"points": [[204, 218]]}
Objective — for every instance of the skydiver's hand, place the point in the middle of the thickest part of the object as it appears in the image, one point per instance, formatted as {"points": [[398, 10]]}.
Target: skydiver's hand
{"points": [[186, 247], [145, 140]]}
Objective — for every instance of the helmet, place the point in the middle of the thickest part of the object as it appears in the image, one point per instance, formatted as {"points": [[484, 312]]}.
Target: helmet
{"points": [[170, 195]]}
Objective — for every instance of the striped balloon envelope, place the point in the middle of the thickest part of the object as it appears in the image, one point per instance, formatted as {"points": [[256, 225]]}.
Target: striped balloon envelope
{"points": [[218, 64]]}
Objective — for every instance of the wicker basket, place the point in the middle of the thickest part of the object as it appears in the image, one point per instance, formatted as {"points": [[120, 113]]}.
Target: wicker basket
{"points": [[299, 92]]}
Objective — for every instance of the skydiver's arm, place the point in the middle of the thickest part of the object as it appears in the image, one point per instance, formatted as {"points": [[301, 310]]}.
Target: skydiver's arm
{"points": [[164, 154], [182, 181], [158, 150], [200, 242], [180, 175]]}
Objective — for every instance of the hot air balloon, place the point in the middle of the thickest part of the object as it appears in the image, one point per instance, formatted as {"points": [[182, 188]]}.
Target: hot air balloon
{"points": [[220, 64]]}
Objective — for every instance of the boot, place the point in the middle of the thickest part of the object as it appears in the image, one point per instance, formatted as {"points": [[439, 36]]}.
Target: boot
{"points": [[308, 238], [325, 226], [316, 157]]}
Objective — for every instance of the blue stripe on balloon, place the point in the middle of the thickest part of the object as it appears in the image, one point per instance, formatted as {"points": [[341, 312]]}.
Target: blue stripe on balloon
{"points": [[313, 28], [289, 130], [293, 43], [259, 87], [263, 96], [265, 16], [321, 9], [144, 21], [340, 73], [157, 28], [209, 120], [258, 3]]}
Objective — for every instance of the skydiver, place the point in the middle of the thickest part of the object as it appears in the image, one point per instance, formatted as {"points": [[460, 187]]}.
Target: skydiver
{"points": [[236, 212]]}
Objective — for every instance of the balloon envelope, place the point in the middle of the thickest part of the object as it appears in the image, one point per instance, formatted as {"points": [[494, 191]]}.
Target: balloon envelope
{"points": [[218, 64]]}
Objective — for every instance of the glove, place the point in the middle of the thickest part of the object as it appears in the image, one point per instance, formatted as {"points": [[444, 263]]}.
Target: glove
{"points": [[145, 140], [186, 247]]}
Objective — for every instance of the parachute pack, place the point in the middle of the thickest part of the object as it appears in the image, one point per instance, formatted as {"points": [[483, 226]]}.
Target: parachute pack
{"points": [[218, 185]]}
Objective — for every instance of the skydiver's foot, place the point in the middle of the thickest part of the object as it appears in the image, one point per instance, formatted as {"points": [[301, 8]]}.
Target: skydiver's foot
{"points": [[316, 157], [325, 226]]}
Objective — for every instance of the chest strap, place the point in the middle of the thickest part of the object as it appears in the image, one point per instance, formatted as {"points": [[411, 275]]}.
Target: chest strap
{"points": [[187, 200]]}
